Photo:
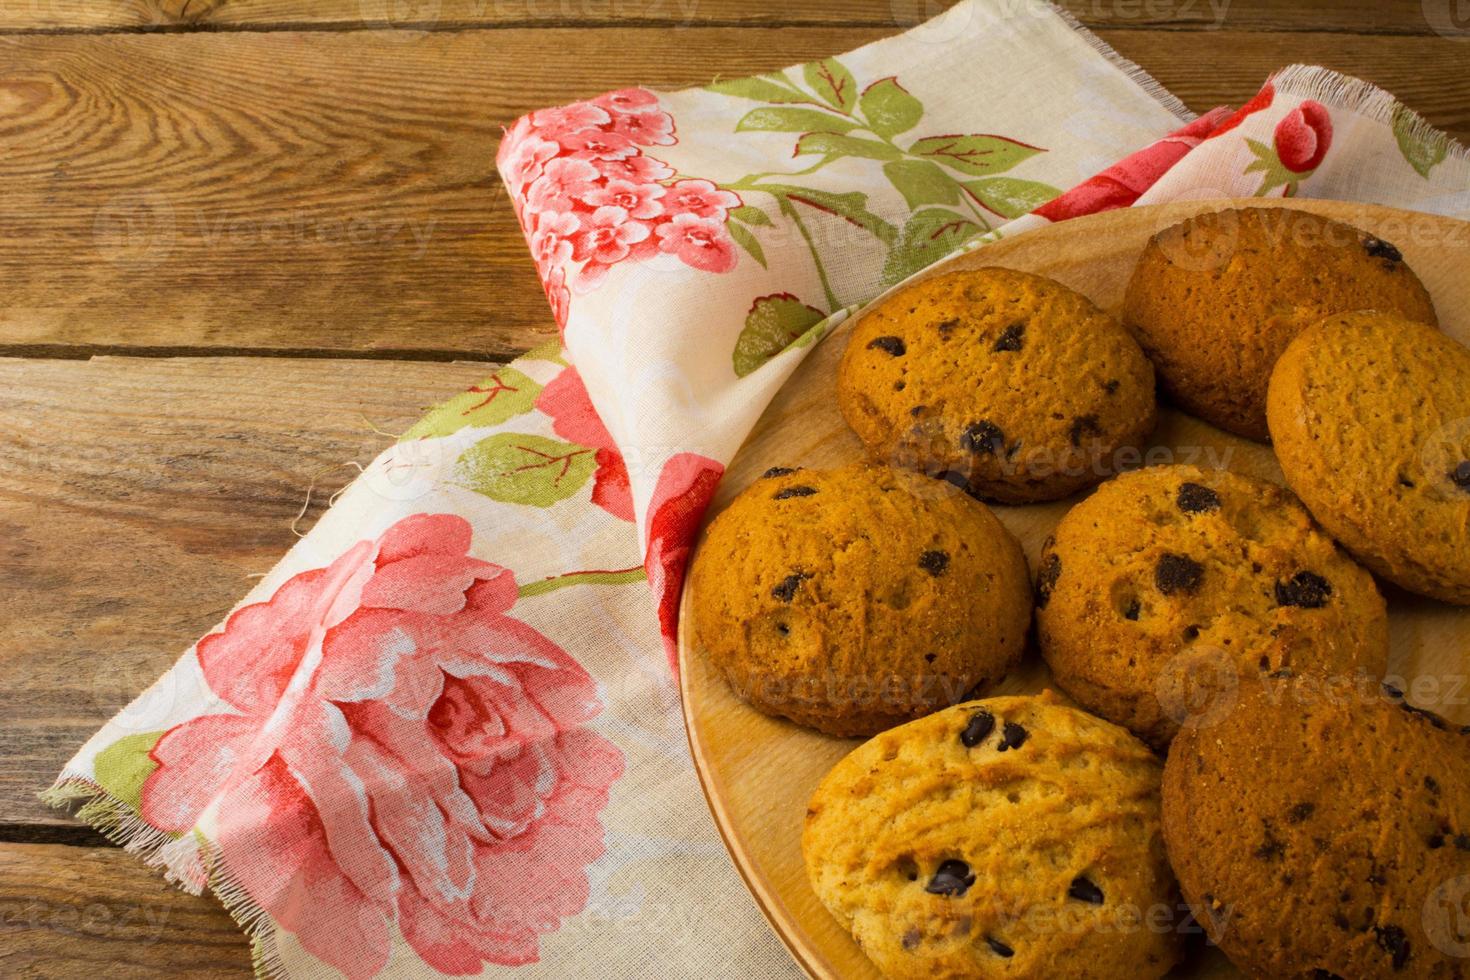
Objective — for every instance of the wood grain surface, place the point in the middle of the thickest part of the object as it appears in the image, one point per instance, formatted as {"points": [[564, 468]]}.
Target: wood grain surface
{"points": [[285, 210], [759, 772]]}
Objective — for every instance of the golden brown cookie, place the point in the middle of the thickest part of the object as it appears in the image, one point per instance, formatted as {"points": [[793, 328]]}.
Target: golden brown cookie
{"points": [[1010, 837], [1173, 582], [1370, 414], [1008, 384], [1325, 833], [854, 599], [1215, 299]]}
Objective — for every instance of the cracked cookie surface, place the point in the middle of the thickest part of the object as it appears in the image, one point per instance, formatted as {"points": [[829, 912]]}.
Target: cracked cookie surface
{"points": [[1006, 837]]}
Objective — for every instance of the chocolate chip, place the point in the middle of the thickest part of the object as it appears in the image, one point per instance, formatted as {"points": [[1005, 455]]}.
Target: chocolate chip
{"points": [[1460, 475], [999, 948], [889, 345], [1435, 842], [946, 327], [1010, 339], [779, 471], [1272, 848], [1082, 426], [1380, 249], [785, 493], [936, 562], [900, 385], [1321, 974], [917, 410], [1046, 579], [1431, 784], [1178, 573], [1112, 385], [1084, 890], [783, 629], [1462, 842], [978, 729], [786, 591], [952, 878], [1195, 498], [1395, 943], [929, 658], [1308, 590], [1392, 692], [983, 437], [1134, 608], [1404, 481], [1301, 812], [1012, 736], [910, 939]]}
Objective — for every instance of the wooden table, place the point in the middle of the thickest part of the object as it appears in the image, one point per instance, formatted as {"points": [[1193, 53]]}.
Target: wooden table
{"points": [[241, 240]]}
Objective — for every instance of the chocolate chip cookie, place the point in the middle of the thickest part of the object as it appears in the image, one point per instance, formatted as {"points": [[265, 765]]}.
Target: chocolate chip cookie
{"points": [[1005, 383], [854, 599], [1215, 299], [1370, 414], [1009, 837], [1170, 586], [1324, 832]]}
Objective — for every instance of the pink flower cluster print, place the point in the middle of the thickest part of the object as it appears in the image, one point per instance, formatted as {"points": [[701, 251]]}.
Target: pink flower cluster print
{"points": [[398, 750], [589, 197]]}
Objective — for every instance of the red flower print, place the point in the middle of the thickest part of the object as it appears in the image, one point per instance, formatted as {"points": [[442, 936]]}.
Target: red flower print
{"points": [[553, 124], [396, 749], [564, 182], [597, 144], [558, 296], [639, 169], [628, 100], [1125, 181], [645, 128], [701, 198], [1303, 137], [527, 159], [566, 401], [607, 235], [703, 244], [551, 244], [1261, 100], [684, 489], [639, 200]]}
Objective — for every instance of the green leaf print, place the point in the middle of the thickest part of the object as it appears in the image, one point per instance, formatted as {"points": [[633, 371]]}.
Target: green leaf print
{"points": [[500, 397], [761, 88], [524, 469], [832, 81], [747, 241], [976, 155], [921, 182], [834, 145], [1010, 197], [769, 119], [929, 236], [1423, 148], [751, 215], [124, 766], [773, 324], [852, 206], [889, 108]]}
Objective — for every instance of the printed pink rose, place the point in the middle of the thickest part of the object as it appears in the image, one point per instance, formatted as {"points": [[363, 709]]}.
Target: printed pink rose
{"points": [[563, 120], [639, 169], [1261, 100], [551, 242], [685, 486], [1125, 181], [607, 235], [639, 200], [646, 128], [558, 295], [563, 183], [396, 749], [526, 161], [701, 198], [700, 243], [1303, 137], [628, 100], [566, 401], [597, 144]]}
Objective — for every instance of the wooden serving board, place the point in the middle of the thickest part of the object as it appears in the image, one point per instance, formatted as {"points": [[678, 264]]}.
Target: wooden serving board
{"points": [[758, 772]]}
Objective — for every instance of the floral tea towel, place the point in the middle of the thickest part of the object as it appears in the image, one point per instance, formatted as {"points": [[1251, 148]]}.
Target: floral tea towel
{"points": [[442, 736]]}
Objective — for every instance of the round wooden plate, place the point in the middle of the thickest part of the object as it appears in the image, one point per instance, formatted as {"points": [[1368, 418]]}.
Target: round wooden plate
{"points": [[758, 772]]}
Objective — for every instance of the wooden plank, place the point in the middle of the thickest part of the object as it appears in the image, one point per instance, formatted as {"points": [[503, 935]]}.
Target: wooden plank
{"points": [[294, 192], [84, 911], [1369, 16], [137, 497]]}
